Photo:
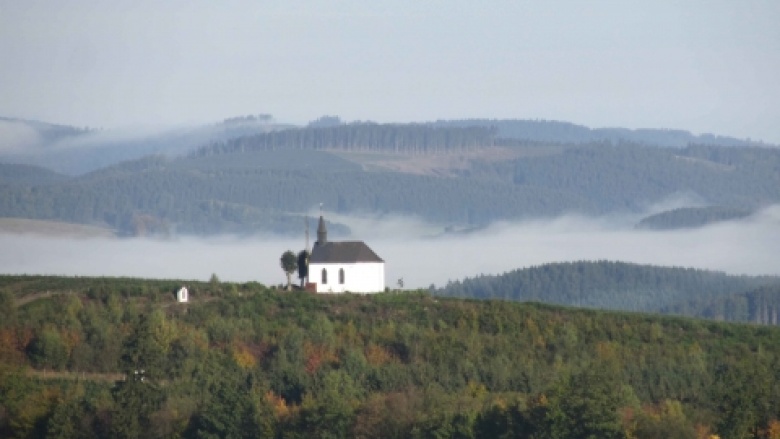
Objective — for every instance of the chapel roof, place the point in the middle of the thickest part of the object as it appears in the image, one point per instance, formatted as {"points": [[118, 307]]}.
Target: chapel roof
{"points": [[342, 252]]}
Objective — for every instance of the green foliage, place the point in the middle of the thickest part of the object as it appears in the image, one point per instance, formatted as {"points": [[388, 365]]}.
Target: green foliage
{"points": [[136, 398], [332, 413], [668, 421], [227, 409], [48, 351], [585, 404], [289, 263], [7, 308], [392, 365], [148, 346], [744, 390], [64, 420]]}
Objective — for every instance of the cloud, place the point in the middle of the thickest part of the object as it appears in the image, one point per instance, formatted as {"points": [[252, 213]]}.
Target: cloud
{"points": [[21, 143], [738, 247], [17, 137], [747, 246]]}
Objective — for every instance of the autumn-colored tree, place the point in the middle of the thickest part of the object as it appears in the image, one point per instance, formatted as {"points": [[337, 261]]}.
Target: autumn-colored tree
{"points": [[772, 430], [244, 357], [664, 421]]}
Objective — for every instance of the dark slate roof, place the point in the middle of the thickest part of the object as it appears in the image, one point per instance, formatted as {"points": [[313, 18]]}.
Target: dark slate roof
{"points": [[342, 252]]}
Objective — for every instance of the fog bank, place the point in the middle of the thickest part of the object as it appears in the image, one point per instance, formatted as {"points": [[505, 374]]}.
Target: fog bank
{"points": [[416, 251]]}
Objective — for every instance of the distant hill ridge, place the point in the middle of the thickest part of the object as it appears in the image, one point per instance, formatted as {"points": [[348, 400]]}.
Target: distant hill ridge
{"points": [[456, 135], [252, 175], [247, 133], [567, 132], [362, 136], [632, 287], [690, 217], [252, 191]]}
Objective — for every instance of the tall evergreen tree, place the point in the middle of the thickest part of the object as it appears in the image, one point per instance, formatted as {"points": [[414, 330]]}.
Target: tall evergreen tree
{"points": [[303, 267]]}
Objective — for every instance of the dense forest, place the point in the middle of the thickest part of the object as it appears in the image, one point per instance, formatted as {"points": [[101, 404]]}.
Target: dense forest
{"points": [[270, 190], [550, 131], [28, 175], [75, 150], [690, 217], [102, 357], [632, 287], [362, 136]]}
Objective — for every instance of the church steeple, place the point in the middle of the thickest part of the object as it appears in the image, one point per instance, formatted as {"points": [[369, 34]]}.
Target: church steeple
{"points": [[322, 232]]}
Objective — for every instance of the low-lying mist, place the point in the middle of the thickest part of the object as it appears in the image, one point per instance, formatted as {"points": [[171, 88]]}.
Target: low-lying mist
{"points": [[419, 252]]}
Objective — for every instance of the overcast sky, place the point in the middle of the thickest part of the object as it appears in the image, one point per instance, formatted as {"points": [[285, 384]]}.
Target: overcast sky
{"points": [[705, 66]]}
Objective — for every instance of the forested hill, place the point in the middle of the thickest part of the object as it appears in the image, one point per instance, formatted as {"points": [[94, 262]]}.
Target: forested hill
{"points": [[362, 136], [271, 190], [566, 132], [455, 136], [119, 358], [28, 175], [632, 287], [690, 217]]}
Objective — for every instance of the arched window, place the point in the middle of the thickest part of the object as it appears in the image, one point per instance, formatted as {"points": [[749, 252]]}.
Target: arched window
{"points": [[324, 277], [341, 276]]}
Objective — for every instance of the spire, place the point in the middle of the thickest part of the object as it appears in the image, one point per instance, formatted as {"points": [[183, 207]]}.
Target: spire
{"points": [[322, 233]]}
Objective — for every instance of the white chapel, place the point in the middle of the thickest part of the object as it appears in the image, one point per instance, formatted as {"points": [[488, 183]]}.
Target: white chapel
{"points": [[338, 267]]}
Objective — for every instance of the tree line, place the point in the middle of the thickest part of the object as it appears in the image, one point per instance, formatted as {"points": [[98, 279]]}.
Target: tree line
{"points": [[361, 136], [552, 131]]}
